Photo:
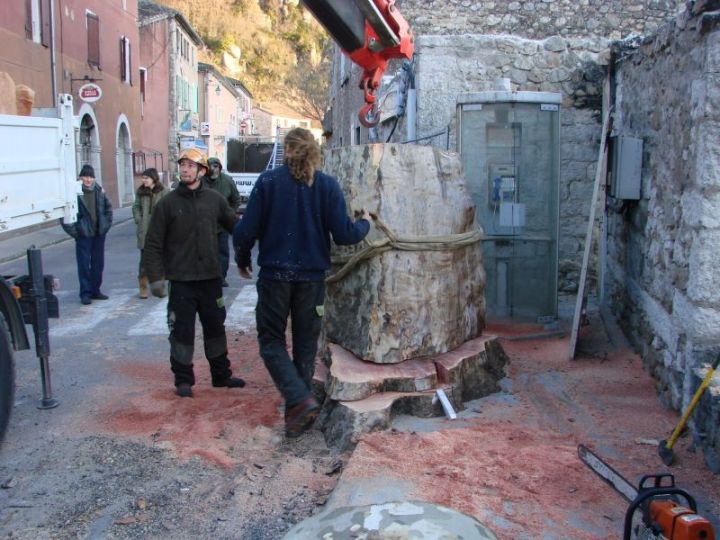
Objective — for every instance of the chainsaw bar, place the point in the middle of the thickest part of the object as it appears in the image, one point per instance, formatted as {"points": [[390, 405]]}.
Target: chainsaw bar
{"points": [[607, 473]]}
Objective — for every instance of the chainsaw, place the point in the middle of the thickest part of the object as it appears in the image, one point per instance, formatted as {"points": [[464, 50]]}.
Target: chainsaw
{"points": [[666, 512]]}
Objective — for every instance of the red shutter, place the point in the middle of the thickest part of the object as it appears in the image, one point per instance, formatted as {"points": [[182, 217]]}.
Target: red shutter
{"points": [[45, 30], [143, 77], [122, 58], [28, 19], [93, 35]]}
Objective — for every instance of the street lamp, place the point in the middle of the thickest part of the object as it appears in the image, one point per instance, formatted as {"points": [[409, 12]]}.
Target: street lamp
{"points": [[218, 90]]}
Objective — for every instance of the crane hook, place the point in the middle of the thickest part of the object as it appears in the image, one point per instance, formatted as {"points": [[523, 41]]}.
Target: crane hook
{"points": [[368, 115]]}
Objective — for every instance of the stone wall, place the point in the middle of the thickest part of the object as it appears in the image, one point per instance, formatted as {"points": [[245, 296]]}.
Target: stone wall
{"points": [[662, 277], [538, 19]]}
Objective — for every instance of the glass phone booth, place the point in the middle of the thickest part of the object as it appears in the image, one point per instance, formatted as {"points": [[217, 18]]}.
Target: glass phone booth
{"points": [[510, 148]]}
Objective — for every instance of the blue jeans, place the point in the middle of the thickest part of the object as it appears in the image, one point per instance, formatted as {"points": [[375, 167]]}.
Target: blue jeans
{"points": [[276, 301], [90, 255]]}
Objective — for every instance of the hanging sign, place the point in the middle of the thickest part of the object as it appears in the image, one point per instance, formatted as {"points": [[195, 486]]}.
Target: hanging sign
{"points": [[89, 92]]}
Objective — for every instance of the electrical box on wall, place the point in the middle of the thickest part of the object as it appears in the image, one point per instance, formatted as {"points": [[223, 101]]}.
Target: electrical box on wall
{"points": [[625, 167]]}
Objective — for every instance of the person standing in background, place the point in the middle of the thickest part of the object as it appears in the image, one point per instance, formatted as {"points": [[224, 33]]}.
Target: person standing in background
{"points": [[225, 186], [94, 219], [293, 211], [147, 196], [181, 245]]}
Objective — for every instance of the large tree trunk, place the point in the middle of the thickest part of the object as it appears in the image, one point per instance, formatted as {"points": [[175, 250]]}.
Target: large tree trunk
{"points": [[406, 304]]}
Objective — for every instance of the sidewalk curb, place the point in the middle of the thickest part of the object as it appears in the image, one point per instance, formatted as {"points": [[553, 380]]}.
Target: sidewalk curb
{"points": [[21, 254], [40, 239]]}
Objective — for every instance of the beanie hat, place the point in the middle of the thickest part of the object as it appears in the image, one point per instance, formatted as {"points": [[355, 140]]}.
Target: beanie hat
{"points": [[87, 170]]}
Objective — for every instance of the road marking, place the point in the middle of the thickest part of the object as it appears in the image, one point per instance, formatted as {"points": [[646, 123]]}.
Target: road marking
{"points": [[88, 317], [241, 314], [123, 303], [154, 322]]}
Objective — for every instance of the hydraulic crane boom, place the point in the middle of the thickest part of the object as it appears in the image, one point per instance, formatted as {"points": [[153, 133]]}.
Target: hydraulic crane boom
{"points": [[370, 32]]}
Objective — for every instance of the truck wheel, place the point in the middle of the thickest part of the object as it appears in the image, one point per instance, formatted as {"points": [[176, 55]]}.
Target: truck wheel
{"points": [[7, 378]]}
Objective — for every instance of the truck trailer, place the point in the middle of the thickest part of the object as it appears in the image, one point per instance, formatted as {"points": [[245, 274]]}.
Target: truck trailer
{"points": [[38, 185]]}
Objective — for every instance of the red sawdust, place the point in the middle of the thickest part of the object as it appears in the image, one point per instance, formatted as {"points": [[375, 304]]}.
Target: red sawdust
{"points": [[219, 425], [515, 466]]}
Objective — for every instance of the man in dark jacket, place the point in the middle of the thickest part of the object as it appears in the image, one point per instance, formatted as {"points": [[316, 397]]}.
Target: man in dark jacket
{"points": [[293, 211], [225, 186], [94, 219], [181, 245]]}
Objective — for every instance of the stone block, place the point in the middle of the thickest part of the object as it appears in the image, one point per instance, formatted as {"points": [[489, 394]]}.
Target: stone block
{"points": [[707, 157], [405, 304], [704, 279], [701, 324]]}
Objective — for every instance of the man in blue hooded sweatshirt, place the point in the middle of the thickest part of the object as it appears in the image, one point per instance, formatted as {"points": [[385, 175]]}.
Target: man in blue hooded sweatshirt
{"points": [[293, 210]]}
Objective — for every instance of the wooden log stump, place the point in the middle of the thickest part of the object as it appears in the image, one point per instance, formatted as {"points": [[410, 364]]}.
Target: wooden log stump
{"points": [[361, 397]]}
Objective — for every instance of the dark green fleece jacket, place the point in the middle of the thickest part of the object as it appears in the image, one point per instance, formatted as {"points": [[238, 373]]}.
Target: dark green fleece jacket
{"points": [[181, 243]]}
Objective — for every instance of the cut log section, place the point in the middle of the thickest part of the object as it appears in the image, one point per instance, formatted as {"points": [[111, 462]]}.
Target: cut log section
{"points": [[361, 397]]}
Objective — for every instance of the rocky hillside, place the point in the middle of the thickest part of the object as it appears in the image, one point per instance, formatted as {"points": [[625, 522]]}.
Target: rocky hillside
{"points": [[275, 47]]}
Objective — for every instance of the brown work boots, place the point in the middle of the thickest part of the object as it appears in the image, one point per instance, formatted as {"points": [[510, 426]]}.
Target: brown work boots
{"points": [[300, 417]]}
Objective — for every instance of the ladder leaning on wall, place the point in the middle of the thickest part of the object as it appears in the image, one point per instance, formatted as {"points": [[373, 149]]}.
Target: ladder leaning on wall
{"points": [[278, 152]]}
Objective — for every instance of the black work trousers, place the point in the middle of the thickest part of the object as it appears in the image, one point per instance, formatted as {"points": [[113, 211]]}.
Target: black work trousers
{"points": [[303, 302], [224, 251], [204, 298]]}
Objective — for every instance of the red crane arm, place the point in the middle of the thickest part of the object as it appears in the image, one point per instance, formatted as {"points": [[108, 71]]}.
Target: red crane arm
{"points": [[371, 33]]}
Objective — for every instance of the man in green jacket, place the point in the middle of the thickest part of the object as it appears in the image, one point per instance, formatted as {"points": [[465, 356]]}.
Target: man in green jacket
{"points": [[225, 186], [181, 246]]}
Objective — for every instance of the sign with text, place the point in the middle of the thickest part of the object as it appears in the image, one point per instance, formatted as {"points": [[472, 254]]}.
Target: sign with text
{"points": [[90, 92]]}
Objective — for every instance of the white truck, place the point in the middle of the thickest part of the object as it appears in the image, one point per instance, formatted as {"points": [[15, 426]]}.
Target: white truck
{"points": [[244, 183], [38, 184], [245, 161]]}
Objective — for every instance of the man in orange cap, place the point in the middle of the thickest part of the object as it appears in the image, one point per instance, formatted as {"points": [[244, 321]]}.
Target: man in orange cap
{"points": [[182, 245]]}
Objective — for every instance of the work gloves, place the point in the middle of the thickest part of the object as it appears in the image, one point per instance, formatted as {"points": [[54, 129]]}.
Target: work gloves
{"points": [[157, 288]]}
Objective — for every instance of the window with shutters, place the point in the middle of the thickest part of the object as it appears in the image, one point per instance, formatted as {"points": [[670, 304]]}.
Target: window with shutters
{"points": [[37, 21], [143, 82], [143, 87], [93, 39], [125, 60], [45, 20]]}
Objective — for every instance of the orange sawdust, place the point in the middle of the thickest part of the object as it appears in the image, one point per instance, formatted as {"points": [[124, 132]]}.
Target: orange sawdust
{"points": [[514, 465], [219, 425]]}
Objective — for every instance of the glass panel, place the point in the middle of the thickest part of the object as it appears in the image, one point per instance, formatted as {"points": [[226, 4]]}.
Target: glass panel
{"points": [[510, 154]]}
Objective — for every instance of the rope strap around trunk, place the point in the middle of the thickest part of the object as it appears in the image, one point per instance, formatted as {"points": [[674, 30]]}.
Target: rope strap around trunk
{"points": [[405, 243]]}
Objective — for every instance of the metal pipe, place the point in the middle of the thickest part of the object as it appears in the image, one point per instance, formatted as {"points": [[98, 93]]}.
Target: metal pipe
{"points": [[411, 114], [53, 67]]}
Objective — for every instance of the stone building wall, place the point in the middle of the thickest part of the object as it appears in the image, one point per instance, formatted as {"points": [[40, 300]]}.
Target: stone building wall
{"points": [[538, 19], [662, 276], [556, 46]]}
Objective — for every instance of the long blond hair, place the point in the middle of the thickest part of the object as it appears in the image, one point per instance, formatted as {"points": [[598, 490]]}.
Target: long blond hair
{"points": [[302, 154]]}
